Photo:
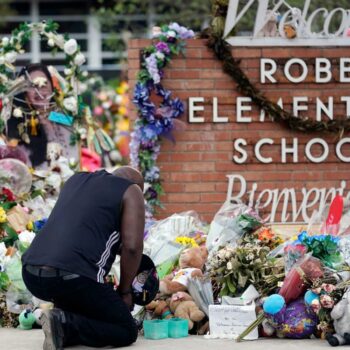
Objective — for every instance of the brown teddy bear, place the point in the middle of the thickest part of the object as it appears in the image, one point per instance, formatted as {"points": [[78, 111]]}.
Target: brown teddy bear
{"points": [[191, 263], [160, 309], [183, 306]]}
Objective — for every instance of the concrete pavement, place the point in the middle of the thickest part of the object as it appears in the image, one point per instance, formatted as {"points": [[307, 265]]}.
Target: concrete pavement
{"points": [[13, 339]]}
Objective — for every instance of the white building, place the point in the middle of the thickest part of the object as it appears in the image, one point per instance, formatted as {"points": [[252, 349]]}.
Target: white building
{"points": [[74, 18]]}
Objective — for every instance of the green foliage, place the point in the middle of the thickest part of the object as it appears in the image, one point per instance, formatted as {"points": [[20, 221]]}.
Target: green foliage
{"points": [[194, 14]]}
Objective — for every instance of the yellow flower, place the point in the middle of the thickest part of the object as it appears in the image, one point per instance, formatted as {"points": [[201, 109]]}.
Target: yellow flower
{"points": [[3, 216], [30, 226]]}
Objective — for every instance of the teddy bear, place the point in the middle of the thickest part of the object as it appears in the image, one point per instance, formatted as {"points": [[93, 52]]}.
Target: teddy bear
{"points": [[341, 316], [270, 27], [191, 263], [160, 308], [183, 306], [57, 162]]}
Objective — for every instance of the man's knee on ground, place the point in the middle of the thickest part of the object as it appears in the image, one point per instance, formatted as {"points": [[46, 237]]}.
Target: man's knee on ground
{"points": [[129, 337]]}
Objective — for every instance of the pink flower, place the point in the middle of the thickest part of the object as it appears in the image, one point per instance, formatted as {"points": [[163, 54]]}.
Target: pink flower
{"points": [[98, 111], [326, 301], [328, 288]]}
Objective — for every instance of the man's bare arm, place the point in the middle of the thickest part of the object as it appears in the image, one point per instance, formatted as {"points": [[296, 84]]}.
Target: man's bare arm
{"points": [[132, 230]]}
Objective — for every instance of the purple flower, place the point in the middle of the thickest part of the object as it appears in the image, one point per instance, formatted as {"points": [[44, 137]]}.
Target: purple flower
{"points": [[163, 47], [160, 91], [152, 68], [183, 32], [141, 94], [164, 112], [177, 107], [151, 193]]}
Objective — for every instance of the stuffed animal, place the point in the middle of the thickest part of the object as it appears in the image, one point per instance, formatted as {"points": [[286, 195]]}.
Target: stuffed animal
{"points": [[26, 319], [341, 316], [295, 320], [57, 162], [191, 263], [270, 27], [183, 306], [160, 308]]}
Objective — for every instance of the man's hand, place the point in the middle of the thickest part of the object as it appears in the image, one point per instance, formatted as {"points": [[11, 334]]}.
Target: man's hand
{"points": [[127, 298]]}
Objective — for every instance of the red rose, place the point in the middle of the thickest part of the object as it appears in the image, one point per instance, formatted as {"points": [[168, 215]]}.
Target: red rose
{"points": [[8, 194]]}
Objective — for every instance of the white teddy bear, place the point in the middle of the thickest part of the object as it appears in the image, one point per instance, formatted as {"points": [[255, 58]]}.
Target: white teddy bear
{"points": [[341, 316]]}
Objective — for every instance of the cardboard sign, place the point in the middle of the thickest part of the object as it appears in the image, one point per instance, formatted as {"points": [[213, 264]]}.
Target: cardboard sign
{"points": [[61, 118], [229, 321]]}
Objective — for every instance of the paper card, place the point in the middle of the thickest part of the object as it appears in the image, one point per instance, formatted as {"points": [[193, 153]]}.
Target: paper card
{"points": [[229, 321], [18, 218], [61, 118]]}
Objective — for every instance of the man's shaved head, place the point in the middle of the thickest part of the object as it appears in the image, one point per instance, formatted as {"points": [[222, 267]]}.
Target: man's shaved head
{"points": [[131, 174]]}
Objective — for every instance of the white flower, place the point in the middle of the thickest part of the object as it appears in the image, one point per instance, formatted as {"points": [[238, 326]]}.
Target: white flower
{"points": [[160, 55], [5, 41], [3, 78], [17, 113], [79, 59], [68, 71], [85, 74], [156, 31], [2, 59], [70, 47], [59, 40], [3, 250], [70, 104], [83, 133], [72, 162], [171, 34], [229, 265], [26, 236], [40, 81], [11, 57], [106, 105], [51, 42]]}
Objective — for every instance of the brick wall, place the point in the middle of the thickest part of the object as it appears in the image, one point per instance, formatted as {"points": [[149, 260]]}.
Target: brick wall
{"points": [[194, 169]]}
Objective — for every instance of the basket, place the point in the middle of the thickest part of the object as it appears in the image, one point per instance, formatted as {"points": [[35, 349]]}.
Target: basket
{"points": [[178, 328], [156, 329]]}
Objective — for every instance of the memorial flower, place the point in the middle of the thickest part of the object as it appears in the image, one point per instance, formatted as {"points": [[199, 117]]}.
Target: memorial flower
{"points": [[79, 59], [70, 47], [70, 104]]}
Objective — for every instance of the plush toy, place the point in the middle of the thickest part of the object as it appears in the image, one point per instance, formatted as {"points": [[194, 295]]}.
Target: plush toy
{"points": [[341, 316], [26, 319], [295, 320], [160, 308], [183, 306], [270, 27], [191, 263], [57, 162]]}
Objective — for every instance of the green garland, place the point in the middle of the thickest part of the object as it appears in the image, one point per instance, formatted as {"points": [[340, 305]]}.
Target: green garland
{"points": [[231, 66]]}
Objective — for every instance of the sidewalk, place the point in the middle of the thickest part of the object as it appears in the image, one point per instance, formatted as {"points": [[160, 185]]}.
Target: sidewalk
{"points": [[13, 339]]}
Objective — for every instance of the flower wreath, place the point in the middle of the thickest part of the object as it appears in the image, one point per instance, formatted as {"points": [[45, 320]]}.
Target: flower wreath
{"points": [[66, 89], [153, 121]]}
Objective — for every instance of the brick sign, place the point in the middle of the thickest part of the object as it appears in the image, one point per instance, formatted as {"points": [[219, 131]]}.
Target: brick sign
{"points": [[230, 150]]}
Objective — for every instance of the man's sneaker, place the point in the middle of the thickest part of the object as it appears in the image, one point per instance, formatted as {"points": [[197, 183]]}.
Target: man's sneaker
{"points": [[51, 321]]}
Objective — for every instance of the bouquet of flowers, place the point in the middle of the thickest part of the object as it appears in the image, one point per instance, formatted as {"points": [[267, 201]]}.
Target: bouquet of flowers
{"points": [[233, 269]]}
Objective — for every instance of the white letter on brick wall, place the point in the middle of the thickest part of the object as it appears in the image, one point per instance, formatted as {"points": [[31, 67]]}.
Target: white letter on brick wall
{"points": [[323, 66], [267, 74], [237, 147], [241, 109], [192, 108]]}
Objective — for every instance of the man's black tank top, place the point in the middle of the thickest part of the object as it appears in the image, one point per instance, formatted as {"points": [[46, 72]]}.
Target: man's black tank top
{"points": [[82, 234]]}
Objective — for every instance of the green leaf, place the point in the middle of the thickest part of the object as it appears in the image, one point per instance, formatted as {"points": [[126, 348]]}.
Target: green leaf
{"points": [[232, 288], [11, 233], [8, 205]]}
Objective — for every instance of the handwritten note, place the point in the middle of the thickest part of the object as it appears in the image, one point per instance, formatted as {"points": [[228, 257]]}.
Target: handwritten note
{"points": [[228, 321]]}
